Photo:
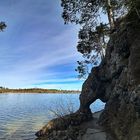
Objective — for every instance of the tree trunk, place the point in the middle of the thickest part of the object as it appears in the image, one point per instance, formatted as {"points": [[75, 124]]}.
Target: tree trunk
{"points": [[110, 14]]}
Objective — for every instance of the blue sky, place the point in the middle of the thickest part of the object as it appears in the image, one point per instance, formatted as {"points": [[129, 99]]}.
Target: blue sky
{"points": [[37, 49]]}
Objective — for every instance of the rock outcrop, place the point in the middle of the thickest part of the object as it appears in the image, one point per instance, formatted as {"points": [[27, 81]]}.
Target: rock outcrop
{"points": [[122, 91], [63, 123], [115, 81]]}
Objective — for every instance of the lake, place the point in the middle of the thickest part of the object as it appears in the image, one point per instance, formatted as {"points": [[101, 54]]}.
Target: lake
{"points": [[21, 115]]}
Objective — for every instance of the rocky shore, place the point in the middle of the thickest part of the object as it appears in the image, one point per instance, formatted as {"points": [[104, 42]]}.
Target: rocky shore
{"points": [[84, 130], [116, 81]]}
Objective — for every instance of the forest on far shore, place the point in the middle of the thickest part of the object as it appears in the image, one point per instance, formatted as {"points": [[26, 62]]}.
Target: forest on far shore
{"points": [[36, 90]]}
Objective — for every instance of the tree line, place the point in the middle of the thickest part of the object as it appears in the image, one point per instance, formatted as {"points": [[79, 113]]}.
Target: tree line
{"points": [[35, 90]]}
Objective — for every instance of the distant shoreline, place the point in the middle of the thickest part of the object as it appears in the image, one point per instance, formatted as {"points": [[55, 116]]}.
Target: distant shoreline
{"points": [[38, 90]]}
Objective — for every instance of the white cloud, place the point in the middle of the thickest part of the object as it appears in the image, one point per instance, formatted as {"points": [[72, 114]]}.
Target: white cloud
{"points": [[34, 43]]}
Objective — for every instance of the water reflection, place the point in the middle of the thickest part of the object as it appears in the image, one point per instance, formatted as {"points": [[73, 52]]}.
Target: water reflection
{"points": [[21, 115]]}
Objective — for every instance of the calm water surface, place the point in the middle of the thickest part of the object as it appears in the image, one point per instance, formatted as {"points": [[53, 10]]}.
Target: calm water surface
{"points": [[21, 115]]}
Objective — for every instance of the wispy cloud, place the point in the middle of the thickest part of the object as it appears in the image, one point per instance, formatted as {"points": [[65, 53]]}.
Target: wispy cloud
{"points": [[37, 48]]}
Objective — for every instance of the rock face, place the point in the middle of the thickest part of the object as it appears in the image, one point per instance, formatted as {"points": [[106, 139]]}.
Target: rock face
{"points": [[115, 81]]}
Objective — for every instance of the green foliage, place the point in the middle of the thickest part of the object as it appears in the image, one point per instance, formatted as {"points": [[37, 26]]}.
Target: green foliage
{"points": [[82, 69], [80, 11], [2, 26], [94, 34]]}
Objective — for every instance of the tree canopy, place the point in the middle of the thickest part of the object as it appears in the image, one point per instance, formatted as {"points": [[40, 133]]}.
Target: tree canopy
{"points": [[94, 33]]}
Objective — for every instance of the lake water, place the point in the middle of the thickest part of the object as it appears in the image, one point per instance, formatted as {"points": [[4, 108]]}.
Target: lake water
{"points": [[21, 115]]}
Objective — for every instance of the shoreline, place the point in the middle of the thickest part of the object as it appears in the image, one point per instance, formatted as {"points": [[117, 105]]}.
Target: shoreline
{"points": [[38, 90], [86, 130], [39, 93]]}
